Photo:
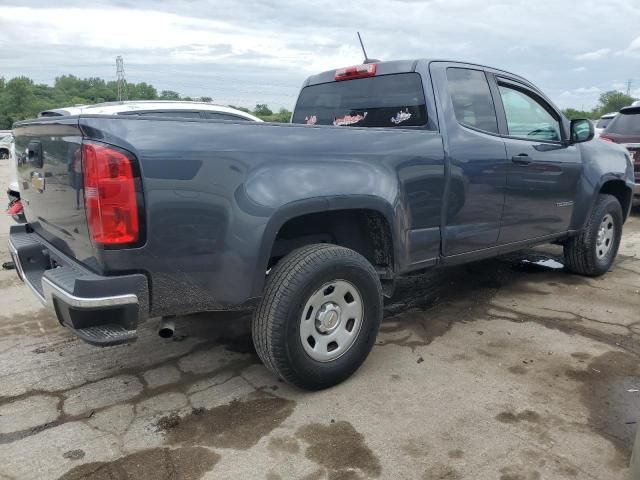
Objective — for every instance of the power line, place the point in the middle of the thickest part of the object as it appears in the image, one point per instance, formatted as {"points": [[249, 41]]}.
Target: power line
{"points": [[122, 82]]}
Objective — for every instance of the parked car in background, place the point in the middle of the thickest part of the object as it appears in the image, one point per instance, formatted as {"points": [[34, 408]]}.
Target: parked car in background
{"points": [[625, 130], [603, 122], [151, 108], [7, 147], [310, 223]]}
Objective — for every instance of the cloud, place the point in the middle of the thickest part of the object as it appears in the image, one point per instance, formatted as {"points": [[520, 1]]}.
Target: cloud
{"points": [[249, 51], [633, 50], [594, 55]]}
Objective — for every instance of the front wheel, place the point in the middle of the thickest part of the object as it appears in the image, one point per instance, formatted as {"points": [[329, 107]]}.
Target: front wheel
{"points": [[319, 316], [594, 249]]}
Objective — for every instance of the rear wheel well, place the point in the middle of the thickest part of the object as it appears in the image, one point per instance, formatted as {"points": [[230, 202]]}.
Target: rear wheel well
{"points": [[618, 189], [365, 231]]}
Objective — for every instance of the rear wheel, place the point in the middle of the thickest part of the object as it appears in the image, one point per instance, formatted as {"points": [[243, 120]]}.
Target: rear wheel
{"points": [[319, 316], [594, 249]]}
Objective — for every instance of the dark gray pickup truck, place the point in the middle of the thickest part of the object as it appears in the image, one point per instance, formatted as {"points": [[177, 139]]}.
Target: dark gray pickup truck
{"points": [[387, 168]]}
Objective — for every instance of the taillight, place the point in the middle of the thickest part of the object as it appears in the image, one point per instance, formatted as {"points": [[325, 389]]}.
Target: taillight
{"points": [[357, 71], [15, 208], [606, 139], [110, 195]]}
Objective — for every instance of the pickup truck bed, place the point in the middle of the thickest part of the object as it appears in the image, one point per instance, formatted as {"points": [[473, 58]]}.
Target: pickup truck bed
{"points": [[387, 169]]}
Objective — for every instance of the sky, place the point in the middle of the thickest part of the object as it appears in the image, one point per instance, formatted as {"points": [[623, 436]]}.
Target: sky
{"points": [[244, 52]]}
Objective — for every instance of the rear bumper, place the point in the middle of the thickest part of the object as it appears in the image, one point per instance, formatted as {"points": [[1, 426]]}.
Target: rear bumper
{"points": [[102, 310]]}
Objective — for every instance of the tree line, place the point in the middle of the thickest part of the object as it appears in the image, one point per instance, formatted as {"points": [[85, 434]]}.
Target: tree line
{"points": [[22, 98], [609, 102]]}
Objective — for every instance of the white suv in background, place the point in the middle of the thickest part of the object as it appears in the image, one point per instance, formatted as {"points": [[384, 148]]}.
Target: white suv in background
{"points": [[6, 139], [156, 108], [604, 121]]}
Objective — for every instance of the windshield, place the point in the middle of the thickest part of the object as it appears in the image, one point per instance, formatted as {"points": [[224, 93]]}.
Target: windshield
{"points": [[384, 101], [625, 124]]}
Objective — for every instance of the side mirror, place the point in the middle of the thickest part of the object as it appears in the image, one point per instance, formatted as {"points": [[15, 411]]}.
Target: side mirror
{"points": [[581, 130]]}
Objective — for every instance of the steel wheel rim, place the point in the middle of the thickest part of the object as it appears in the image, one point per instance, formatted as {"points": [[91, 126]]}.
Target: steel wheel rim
{"points": [[606, 236], [331, 320]]}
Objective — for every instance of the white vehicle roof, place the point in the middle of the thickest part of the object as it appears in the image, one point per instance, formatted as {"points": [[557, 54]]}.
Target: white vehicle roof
{"points": [[6, 137], [115, 108]]}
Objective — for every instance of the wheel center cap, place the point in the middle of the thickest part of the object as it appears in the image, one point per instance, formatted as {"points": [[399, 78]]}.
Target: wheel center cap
{"points": [[601, 235], [328, 318]]}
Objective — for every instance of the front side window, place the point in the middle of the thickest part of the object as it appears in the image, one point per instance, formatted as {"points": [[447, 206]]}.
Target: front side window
{"points": [[471, 99], [393, 101], [527, 117]]}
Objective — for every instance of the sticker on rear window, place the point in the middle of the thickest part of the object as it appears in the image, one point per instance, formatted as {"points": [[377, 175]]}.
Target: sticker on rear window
{"points": [[349, 119], [312, 120], [401, 116]]}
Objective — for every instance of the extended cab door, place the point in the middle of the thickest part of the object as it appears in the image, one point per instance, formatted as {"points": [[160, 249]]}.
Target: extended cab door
{"points": [[477, 160], [543, 169]]}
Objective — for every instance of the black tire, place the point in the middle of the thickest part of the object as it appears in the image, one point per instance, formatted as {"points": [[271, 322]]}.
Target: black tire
{"points": [[4, 154], [581, 251], [277, 321]]}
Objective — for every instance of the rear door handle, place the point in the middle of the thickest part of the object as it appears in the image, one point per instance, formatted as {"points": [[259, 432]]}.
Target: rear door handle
{"points": [[521, 159]]}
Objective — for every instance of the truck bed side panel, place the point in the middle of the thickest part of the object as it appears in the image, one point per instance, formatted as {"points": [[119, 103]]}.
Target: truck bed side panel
{"points": [[211, 189]]}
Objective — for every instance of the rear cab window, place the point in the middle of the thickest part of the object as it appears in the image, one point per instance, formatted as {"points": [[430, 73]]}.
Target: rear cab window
{"points": [[391, 101]]}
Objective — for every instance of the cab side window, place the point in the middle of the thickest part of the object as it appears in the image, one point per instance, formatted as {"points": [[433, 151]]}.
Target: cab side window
{"points": [[471, 99], [165, 113], [223, 116], [527, 117]]}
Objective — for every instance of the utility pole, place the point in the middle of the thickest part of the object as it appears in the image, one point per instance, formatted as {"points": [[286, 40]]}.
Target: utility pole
{"points": [[629, 83], [122, 83]]}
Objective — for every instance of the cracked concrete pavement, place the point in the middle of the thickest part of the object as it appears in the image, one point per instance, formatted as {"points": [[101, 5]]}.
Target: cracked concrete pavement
{"points": [[502, 369]]}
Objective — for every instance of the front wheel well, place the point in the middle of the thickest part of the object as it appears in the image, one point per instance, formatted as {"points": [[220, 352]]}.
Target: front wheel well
{"points": [[363, 230], [621, 191]]}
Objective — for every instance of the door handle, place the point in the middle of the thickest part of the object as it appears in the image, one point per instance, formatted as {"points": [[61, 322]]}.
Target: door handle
{"points": [[521, 159]]}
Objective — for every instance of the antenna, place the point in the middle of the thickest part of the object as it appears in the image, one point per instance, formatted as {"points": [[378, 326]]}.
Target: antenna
{"points": [[122, 83], [363, 50], [366, 58]]}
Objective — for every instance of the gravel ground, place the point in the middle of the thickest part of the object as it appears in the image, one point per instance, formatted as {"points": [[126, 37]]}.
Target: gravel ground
{"points": [[507, 369]]}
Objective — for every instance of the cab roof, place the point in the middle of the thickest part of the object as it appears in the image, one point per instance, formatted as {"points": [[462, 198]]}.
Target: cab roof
{"points": [[403, 66]]}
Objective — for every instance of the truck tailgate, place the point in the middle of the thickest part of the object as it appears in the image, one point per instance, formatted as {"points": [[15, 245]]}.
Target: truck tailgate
{"points": [[50, 174]]}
